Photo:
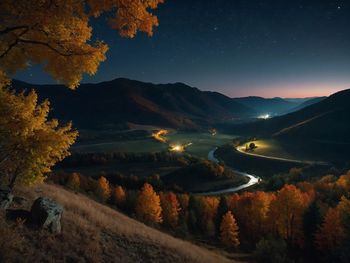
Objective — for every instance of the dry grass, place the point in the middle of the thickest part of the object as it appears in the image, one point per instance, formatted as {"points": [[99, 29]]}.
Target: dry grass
{"points": [[96, 233]]}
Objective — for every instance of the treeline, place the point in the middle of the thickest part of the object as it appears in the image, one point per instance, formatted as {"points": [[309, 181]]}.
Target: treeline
{"points": [[94, 159], [302, 222]]}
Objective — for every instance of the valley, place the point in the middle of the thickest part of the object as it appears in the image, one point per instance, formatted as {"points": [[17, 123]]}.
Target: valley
{"points": [[198, 163], [156, 131]]}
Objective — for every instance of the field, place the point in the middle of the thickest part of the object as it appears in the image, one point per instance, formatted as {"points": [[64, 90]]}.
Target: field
{"points": [[271, 148], [201, 143], [131, 146]]}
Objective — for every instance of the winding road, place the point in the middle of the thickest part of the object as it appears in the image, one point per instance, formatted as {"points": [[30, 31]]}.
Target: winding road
{"points": [[252, 179], [241, 149]]}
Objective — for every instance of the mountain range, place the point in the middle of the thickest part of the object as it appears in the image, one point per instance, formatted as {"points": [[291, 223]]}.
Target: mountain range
{"points": [[324, 121], [114, 104], [109, 104]]}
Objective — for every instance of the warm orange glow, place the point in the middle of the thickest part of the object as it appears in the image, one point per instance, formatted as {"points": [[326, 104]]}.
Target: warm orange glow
{"points": [[159, 135], [177, 148]]}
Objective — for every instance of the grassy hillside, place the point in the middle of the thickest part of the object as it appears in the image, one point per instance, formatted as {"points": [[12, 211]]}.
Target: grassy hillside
{"points": [[93, 233]]}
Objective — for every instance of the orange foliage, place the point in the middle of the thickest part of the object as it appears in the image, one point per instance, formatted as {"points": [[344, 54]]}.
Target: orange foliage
{"points": [[286, 214], [170, 208], [253, 206], [57, 33], [148, 207], [331, 232], [209, 208], [232, 201], [119, 196], [103, 189], [229, 231]]}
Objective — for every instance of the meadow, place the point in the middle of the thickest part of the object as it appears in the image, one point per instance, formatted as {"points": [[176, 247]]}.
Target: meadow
{"points": [[271, 148], [201, 143]]}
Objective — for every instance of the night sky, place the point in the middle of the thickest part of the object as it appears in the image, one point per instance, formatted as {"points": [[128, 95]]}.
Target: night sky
{"points": [[237, 47]]}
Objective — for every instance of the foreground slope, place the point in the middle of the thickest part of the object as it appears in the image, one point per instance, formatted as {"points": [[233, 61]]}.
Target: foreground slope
{"points": [[112, 103], [96, 233]]}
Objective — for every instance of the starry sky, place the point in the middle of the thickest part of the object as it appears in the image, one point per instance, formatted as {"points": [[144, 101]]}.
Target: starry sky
{"points": [[285, 48]]}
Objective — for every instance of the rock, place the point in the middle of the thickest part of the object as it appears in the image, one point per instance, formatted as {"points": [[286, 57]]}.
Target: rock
{"points": [[47, 214], [6, 198]]}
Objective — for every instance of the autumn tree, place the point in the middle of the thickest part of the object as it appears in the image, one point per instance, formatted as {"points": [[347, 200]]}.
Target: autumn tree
{"points": [[252, 205], [208, 212], [119, 196], [170, 209], [30, 143], [73, 182], [331, 233], [148, 207], [286, 214], [57, 33], [333, 237], [103, 189], [229, 231]]}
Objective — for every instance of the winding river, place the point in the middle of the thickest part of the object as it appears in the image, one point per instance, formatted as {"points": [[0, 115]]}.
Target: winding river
{"points": [[252, 179]]}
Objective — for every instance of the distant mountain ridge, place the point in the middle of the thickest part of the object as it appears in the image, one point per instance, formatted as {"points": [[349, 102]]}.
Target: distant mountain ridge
{"points": [[273, 106], [307, 103], [327, 120], [112, 103]]}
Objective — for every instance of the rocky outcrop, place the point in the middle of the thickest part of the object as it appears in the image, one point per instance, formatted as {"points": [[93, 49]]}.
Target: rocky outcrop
{"points": [[47, 214], [6, 198]]}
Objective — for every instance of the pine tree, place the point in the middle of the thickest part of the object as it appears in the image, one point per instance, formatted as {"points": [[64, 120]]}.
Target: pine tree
{"points": [[229, 231], [148, 207]]}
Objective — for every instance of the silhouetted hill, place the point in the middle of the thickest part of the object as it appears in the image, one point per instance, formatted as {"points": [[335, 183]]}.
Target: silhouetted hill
{"points": [[114, 103], [263, 105], [327, 120], [307, 103]]}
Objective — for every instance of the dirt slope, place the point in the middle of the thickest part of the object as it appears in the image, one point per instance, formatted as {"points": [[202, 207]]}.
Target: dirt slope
{"points": [[94, 233]]}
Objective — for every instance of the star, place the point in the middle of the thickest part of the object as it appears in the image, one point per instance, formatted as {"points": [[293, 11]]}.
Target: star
{"points": [[215, 28], [339, 7]]}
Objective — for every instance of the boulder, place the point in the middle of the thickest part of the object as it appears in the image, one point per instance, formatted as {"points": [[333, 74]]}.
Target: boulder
{"points": [[6, 198], [47, 214]]}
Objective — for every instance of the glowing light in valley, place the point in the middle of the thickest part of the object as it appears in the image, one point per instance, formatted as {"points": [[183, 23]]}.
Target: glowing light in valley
{"points": [[264, 116], [178, 147], [159, 135], [212, 131]]}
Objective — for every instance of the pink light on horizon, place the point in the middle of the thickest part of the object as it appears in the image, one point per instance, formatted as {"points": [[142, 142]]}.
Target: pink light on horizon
{"points": [[290, 90]]}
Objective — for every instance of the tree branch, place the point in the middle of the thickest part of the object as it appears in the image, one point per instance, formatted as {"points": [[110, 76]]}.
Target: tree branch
{"points": [[9, 48], [10, 29], [49, 46]]}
